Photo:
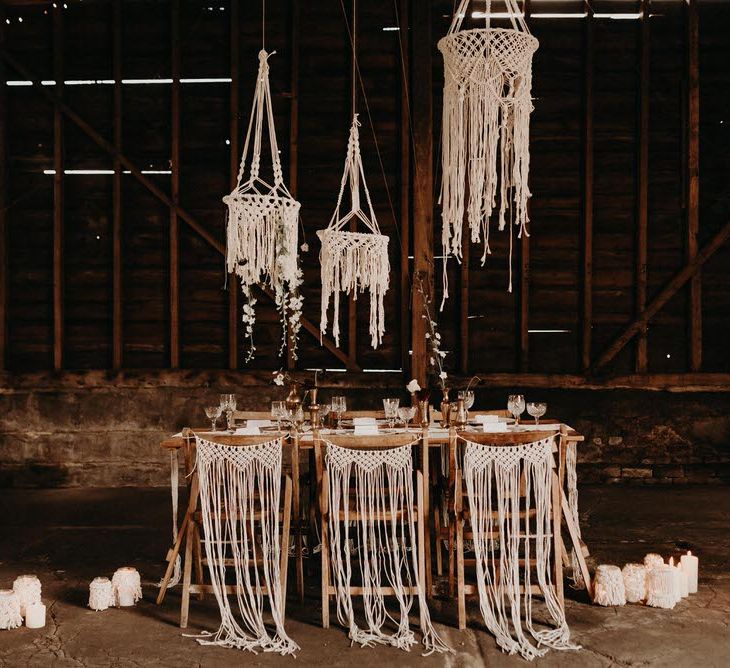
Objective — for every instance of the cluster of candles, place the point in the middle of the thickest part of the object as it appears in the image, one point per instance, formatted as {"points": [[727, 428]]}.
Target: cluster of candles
{"points": [[654, 582], [123, 590], [22, 602]]}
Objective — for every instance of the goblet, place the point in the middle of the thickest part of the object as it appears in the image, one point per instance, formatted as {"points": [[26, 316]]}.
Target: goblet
{"points": [[537, 410], [391, 410], [406, 414], [339, 406], [277, 412], [213, 413], [516, 406]]}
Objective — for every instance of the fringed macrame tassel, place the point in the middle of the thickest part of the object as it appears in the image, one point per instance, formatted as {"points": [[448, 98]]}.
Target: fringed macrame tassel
{"points": [[501, 472], [608, 586], [240, 486], [571, 469], [383, 486]]}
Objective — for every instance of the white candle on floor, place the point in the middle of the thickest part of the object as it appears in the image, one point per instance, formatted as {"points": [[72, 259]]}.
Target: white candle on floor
{"points": [[35, 616], [678, 576], [683, 580], [691, 566]]}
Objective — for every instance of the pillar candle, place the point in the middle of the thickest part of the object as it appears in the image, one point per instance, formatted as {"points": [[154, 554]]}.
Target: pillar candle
{"points": [[677, 575], [35, 616], [691, 566], [682, 579]]}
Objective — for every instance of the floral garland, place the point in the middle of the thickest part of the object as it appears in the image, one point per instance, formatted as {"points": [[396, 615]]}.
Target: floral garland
{"points": [[433, 337]]}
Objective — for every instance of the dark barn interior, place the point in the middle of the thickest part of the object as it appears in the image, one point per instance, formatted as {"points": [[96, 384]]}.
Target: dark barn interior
{"points": [[121, 128]]}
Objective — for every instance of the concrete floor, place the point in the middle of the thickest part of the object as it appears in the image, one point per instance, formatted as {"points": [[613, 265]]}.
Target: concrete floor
{"points": [[70, 536]]}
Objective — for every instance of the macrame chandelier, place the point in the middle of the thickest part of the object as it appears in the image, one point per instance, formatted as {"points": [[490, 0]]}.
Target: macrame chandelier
{"points": [[263, 219], [486, 128], [354, 261]]}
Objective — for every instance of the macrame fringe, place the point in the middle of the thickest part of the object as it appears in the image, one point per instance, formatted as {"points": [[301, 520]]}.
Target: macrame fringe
{"points": [[571, 469], [608, 586], [10, 617], [239, 485], [383, 484], [662, 588], [634, 582], [28, 590], [494, 476]]}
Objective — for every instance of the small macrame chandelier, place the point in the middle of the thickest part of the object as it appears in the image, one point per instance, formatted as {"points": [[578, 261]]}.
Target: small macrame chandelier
{"points": [[263, 219], [354, 261], [486, 127]]}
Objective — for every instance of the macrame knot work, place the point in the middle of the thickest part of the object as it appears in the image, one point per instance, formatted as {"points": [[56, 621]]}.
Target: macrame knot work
{"points": [[353, 261]]}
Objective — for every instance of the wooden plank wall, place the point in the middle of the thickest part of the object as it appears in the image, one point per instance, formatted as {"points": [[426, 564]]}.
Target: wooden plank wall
{"points": [[614, 155]]}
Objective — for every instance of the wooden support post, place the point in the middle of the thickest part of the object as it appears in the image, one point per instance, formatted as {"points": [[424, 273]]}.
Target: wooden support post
{"points": [[293, 133], [422, 107], [642, 212], [175, 189], [524, 296], [405, 184], [117, 355], [352, 299], [58, 195], [233, 131], [464, 304], [3, 206], [693, 185], [587, 310]]}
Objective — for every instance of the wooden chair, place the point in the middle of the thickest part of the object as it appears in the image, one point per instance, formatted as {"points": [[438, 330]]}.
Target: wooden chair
{"points": [[191, 528], [381, 441], [461, 529]]}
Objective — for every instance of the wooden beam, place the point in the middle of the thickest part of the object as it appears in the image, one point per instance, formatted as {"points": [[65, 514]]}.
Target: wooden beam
{"points": [[117, 355], [234, 157], [405, 183], [191, 221], [642, 212], [293, 132], [464, 303], [175, 187], [669, 290], [352, 299], [693, 185], [422, 109], [3, 205], [587, 307], [58, 195], [524, 294]]}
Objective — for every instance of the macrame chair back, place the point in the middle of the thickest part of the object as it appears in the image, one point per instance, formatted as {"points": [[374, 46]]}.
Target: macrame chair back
{"points": [[240, 490], [380, 520], [354, 262], [509, 494], [486, 128]]}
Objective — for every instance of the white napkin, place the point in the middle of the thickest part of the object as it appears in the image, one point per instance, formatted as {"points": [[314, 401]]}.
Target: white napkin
{"points": [[361, 421], [494, 427], [366, 429], [543, 426], [482, 419], [247, 431], [258, 423]]}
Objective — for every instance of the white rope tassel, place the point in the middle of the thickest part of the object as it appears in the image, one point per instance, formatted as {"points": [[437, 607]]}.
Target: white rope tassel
{"points": [[608, 586], [634, 582], [354, 262], [28, 589], [174, 491], [571, 465], [386, 534], [486, 128], [10, 617], [127, 586], [240, 487], [101, 594], [653, 560], [493, 475]]}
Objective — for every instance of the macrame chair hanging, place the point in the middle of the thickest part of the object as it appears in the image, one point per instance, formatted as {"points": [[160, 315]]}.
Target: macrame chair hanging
{"points": [[486, 128], [263, 218], [495, 477], [384, 530], [240, 489]]}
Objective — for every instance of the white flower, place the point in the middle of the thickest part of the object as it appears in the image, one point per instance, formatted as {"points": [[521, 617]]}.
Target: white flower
{"points": [[413, 386], [279, 379], [431, 361], [428, 336], [304, 247], [443, 375]]}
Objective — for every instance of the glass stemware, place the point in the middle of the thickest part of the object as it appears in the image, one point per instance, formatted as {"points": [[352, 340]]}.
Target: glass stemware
{"points": [[468, 397], [406, 414], [213, 413], [537, 409], [390, 405], [516, 406], [324, 411], [339, 406], [278, 409], [228, 406]]}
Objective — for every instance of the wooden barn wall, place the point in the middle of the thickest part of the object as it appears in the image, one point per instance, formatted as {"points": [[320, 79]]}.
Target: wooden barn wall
{"points": [[80, 46]]}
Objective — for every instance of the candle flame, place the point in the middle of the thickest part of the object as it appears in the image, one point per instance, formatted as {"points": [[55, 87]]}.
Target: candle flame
{"points": [[671, 561], [689, 553]]}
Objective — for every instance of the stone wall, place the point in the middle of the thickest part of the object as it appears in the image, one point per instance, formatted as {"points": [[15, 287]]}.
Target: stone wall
{"points": [[104, 429]]}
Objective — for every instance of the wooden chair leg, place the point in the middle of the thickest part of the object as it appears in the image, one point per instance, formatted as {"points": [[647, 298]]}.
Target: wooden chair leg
{"points": [[438, 547], [325, 551], [187, 573], [422, 519], [285, 533], [452, 565], [459, 522], [425, 519], [297, 523], [172, 557]]}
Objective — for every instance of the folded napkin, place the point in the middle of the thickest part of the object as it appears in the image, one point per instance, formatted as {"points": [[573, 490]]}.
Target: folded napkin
{"points": [[258, 423], [360, 421], [247, 431], [482, 419], [543, 426], [494, 427], [366, 429]]}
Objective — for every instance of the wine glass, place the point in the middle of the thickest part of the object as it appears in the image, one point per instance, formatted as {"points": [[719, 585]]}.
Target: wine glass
{"points": [[468, 397], [212, 413], [537, 409], [278, 409], [324, 411], [339, 406], [390, 405], [406, 414], [516, 406], [228, 405]]}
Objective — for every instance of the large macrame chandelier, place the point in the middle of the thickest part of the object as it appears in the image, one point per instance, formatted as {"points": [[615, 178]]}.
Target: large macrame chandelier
{"points": [[486, 127], [263, 218], [354, 261]]}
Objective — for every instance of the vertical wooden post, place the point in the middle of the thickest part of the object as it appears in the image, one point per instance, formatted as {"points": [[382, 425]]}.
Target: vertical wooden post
{"points": [[3, 204], [175, 189], [352, 301], [233, 132], [117, 190], [58, 194], [293, 132], [422, 106], [405, 183], [464, 305], [642, 213], [693, 185], [587, 310]]}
